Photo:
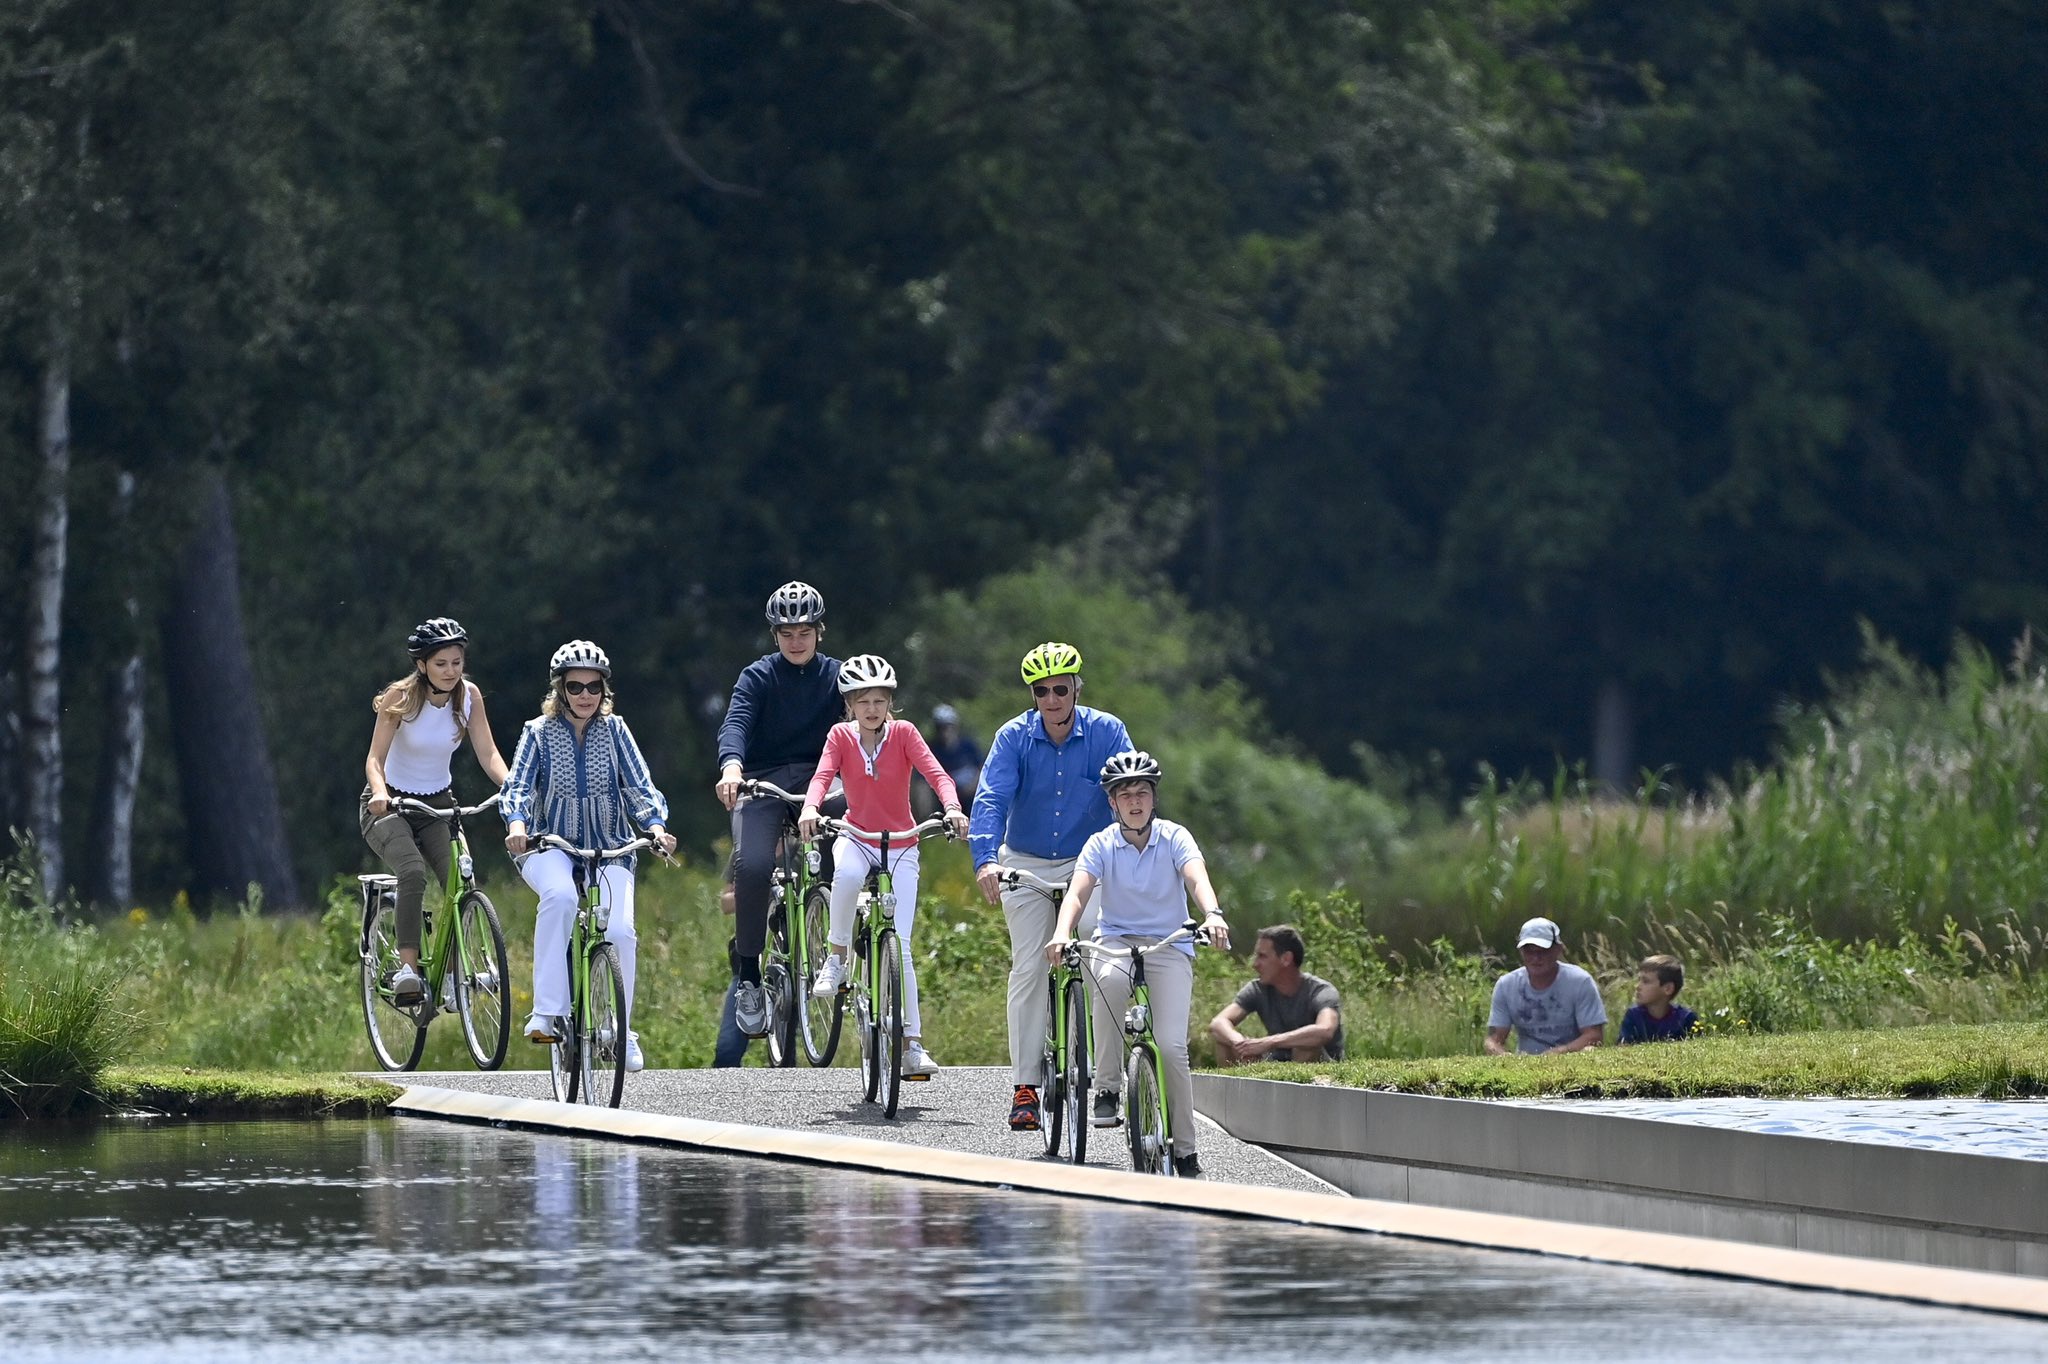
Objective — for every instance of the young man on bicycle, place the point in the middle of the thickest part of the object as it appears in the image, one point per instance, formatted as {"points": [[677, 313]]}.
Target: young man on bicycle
{"points": [[1146, 868], [1037, 803], [782, 708]]}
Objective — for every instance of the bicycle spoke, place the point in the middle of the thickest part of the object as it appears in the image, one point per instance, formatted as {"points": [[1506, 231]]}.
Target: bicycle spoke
{"points": [[397, 1036]]}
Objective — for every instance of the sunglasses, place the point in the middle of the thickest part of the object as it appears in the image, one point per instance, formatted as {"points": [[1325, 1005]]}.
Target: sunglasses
{"points": [[578, 688], [1056, 689]]}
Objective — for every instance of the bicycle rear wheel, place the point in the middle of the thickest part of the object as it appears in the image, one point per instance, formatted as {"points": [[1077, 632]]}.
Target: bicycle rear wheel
{"points": [[397, 1036], [780, 987], [889, 1020], [1080, 1068], [601, 1046], [1145, 1114], [1051, 1099], [480, 989], [821, 1018]]}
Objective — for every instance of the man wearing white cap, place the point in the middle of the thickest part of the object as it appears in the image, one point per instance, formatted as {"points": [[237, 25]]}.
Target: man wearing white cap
{"points": [[1550, 1004]]}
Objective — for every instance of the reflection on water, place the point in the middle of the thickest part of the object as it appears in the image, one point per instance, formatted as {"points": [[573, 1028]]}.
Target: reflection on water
{"points": [[405, 1239]]}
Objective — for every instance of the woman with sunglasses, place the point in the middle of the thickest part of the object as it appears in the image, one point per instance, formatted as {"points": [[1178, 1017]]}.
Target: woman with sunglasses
{"points": [[1037, 804], [577, 773]]}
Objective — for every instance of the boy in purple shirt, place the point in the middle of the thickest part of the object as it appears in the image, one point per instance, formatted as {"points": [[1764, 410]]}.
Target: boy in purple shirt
{"points": [[1656, 1016]]}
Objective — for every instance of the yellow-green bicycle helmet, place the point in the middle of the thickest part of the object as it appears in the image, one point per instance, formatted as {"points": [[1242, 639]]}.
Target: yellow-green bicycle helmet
{"points": [[1051, 659]]}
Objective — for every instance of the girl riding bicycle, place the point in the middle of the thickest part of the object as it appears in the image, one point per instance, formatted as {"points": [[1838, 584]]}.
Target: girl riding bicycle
{"points": [[872, 754], [1146, 868], [421, 720], [577, 773]]}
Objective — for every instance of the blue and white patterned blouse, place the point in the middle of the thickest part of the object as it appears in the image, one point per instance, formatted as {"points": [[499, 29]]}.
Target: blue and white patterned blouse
{"points": [[591, 792]]}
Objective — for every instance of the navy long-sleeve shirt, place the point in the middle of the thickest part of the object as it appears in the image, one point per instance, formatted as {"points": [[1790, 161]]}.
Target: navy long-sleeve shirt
{"points": [[780, 713]]}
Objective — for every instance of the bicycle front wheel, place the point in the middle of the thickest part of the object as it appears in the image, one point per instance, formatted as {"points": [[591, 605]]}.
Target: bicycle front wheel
{"points": [[480, 989], [821, 1018], [1145, 1114], [1052, 1108], [1080, 1068], [601, 1044], [565, 1068], [397, 1036], [889, 1020], [780, 987]]}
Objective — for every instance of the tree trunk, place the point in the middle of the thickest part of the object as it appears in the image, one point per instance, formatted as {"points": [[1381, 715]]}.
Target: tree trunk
{"points": [[234, 824], [1614, 738], [10, 749], [121, 767], [42, 737]]}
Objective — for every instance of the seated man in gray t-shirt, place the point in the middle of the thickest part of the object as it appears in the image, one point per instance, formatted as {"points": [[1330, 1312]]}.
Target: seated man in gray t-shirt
{"points": [[1551, 1005], [1300, 1012]]}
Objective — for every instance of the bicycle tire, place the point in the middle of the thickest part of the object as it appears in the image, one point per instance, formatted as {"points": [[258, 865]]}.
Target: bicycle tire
{"points": [[889, 1019], [780, 987], [397, 1037], [1145, 1114], [565, 1069], [1052, 1106], [480, 970], [1080, 1069], [821, 1018], [601, 1045]]}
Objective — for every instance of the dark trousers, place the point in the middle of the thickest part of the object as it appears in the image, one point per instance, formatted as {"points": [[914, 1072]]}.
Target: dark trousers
{"points": [[756, 825], [409, 844]]}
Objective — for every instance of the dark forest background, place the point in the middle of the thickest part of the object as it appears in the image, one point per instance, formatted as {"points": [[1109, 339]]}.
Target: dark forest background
{"points": [[1505, 382]]}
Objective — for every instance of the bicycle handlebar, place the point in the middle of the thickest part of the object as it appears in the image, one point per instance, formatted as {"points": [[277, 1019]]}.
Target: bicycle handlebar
{"points": [[556, 841], [827, 824], [1076, 948], [1017, 876], [442, 812], [751, 787]]}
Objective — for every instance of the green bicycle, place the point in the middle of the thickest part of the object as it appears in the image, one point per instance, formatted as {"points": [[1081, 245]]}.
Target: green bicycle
{"points": [[589, 1061], [462, 956], [876, 980], [1068, 1058], [1147, 1122], [799, 912]]}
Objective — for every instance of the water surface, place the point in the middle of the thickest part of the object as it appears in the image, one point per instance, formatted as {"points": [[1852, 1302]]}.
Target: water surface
{"points": [[414, 1240]]}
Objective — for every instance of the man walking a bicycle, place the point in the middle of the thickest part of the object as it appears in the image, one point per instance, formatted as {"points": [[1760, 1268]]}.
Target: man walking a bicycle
{"points": [[1037, 803], [1146, 868]]}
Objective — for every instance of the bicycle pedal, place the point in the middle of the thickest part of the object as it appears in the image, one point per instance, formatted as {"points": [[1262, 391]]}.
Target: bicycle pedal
{"points": [[916, 1079]]}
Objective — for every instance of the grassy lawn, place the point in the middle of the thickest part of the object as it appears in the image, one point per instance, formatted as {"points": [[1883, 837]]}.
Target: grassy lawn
{"points": [[188, 1092], [1990, 1061]]}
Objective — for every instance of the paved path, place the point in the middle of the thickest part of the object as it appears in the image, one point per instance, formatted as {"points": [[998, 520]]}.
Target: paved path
{"points": [[965, 1108]]}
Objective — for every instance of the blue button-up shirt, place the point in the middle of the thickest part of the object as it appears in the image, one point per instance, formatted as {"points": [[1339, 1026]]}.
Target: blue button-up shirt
{"points": [[1043, 798]]}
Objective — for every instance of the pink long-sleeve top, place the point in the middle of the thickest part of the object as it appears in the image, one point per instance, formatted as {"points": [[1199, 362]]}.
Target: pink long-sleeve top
{"points": [[878, 788]]}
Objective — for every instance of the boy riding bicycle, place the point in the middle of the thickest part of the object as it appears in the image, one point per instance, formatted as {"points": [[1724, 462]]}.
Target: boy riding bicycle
{"points": [[1146, 867]]}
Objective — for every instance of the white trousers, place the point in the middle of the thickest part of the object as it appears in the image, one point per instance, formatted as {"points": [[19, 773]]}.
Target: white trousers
{"points": [[1170, 977], [1032, 915], [553, 877], [852, 860]]}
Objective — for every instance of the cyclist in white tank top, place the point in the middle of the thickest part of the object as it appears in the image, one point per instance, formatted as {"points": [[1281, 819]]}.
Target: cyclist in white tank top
{"points": [[421, 721]]}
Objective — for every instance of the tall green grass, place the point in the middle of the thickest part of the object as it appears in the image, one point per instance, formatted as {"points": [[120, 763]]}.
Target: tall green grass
{"points": [[63, 1015]]}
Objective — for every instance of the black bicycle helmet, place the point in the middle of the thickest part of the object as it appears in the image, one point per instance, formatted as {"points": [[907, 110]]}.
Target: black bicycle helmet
{"points": [[796, 604], [431, 636], [1129, 766]]}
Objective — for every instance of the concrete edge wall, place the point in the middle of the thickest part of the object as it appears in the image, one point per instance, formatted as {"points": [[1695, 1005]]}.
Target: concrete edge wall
{"points": [[1858, 1198]]}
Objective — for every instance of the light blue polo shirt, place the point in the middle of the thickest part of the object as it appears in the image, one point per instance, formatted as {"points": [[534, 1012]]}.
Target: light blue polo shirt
{"points": [[1140, 889]]}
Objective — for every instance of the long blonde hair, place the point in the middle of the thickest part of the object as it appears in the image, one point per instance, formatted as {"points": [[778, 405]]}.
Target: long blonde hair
{"points": [[411, 698]]}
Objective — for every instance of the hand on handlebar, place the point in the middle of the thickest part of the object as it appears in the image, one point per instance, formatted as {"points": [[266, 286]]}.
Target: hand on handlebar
{"points": [[380, 806], [1216, 932], [515, 838], [990, 879], [1057, 949], [956, 823], [728, 787], [807, 823], [664, 843]]}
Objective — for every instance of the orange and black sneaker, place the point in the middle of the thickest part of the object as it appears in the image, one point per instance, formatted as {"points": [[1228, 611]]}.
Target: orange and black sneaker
{"points": [[1024, 1109]]}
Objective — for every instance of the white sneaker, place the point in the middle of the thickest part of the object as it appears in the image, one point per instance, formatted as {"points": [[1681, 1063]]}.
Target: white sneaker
{"points": [[543, 1028], [634, 1060], [831, 977], [917, 1062], [407, 986]]}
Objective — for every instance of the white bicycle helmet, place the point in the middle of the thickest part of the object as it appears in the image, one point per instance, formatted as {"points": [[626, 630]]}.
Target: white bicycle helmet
{"points": [[579, 653], [1129, 766], [866, 670], [796, 604]]}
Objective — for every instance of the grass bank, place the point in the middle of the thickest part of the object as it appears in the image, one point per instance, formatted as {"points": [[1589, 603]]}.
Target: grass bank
{"points": [[1993, 1061], [183, 1091]]}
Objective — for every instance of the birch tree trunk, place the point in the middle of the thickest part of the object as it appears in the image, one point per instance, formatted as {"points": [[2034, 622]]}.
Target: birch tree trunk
{"points": [[234, 824], [121, 766], [42, 734]]}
